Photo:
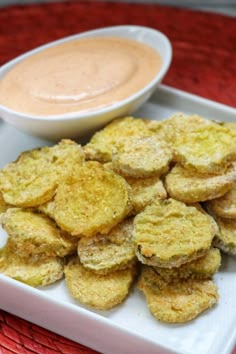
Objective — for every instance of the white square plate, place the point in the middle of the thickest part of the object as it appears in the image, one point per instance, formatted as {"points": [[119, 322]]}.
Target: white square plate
{"points": [[129, 328]]}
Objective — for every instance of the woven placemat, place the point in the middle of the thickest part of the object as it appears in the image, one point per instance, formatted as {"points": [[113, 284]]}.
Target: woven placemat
{"points": [[204, 44], [204, 63]]}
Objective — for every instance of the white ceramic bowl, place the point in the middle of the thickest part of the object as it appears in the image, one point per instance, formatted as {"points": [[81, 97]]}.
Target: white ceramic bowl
{"points": [[75, 124]]}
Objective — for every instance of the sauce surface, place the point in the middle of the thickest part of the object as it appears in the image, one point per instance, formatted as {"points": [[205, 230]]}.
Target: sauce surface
{"points": [[79, 75]]}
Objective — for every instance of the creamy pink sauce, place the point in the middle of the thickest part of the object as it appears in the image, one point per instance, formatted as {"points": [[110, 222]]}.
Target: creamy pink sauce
{"points": [[79, 75]]}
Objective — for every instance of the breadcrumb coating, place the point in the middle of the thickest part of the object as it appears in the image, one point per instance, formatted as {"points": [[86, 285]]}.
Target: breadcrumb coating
{"points": [[115, 136], [105, 253], [191, 187], [34, 235], [178, 302], [226, 236], [201, 268], [33, 178], [143, 158], [101, 292], [169, 233], [225, 206], [200, 144], [92, 201]]}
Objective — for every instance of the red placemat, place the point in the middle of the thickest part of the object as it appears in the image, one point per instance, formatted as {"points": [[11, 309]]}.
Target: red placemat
{"points": [[204, 63], [204, 44]]}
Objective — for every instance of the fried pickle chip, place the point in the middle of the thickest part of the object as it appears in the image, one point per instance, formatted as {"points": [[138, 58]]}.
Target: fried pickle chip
{"points": [[169, 233], [201, 144], [142, 158], [178, 302], [101, 292], [225, 206], [114, 137], [103, 254], [93, 201], [36, 274], [202, 268], [145, 191], [34, 235], [226, 236], [32, 179], [191, 187]]}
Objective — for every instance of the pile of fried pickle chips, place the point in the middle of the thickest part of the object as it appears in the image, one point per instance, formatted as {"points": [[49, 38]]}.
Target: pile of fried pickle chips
{"points": [[144, 203]]}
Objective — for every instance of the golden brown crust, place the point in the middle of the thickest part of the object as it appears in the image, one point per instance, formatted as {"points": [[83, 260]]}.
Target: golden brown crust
{"points": [[225, 206], [200, 144], [114, 137], [145, 191], [179, 302], [202, 268], [106, 253], [226, 236], [169, 233], [33, 235], [92, 201], [214, 225], [191, 187], [32, 179], [101, 292], [142, 158], [37, 274]]}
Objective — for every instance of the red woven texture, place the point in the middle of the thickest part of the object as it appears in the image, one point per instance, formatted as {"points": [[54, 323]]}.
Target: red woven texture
{"points": [[204, 45], [204, 63]]}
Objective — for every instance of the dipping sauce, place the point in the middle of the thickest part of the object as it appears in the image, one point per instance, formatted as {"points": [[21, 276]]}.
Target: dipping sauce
{"points": [[79, 75]]}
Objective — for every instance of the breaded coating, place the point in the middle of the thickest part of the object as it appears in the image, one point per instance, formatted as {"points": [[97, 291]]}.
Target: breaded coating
{"points": [[34, 235], [67, 155], [162, 131], [103, 254], [230, 125], [3, 205], [142, 158], [214, 225], [202, 268], [226, 236], [47, 208], [169, 233], [201, 144], [92, 201], [101, 292], [32, 179], [145, 191], [191, 187], [114, 137], [36, 274], [28, 181], [225, 206], [178, 302]]}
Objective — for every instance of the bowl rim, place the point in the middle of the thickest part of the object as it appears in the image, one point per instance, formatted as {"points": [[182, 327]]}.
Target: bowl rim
{"points": [[95, 112]]}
